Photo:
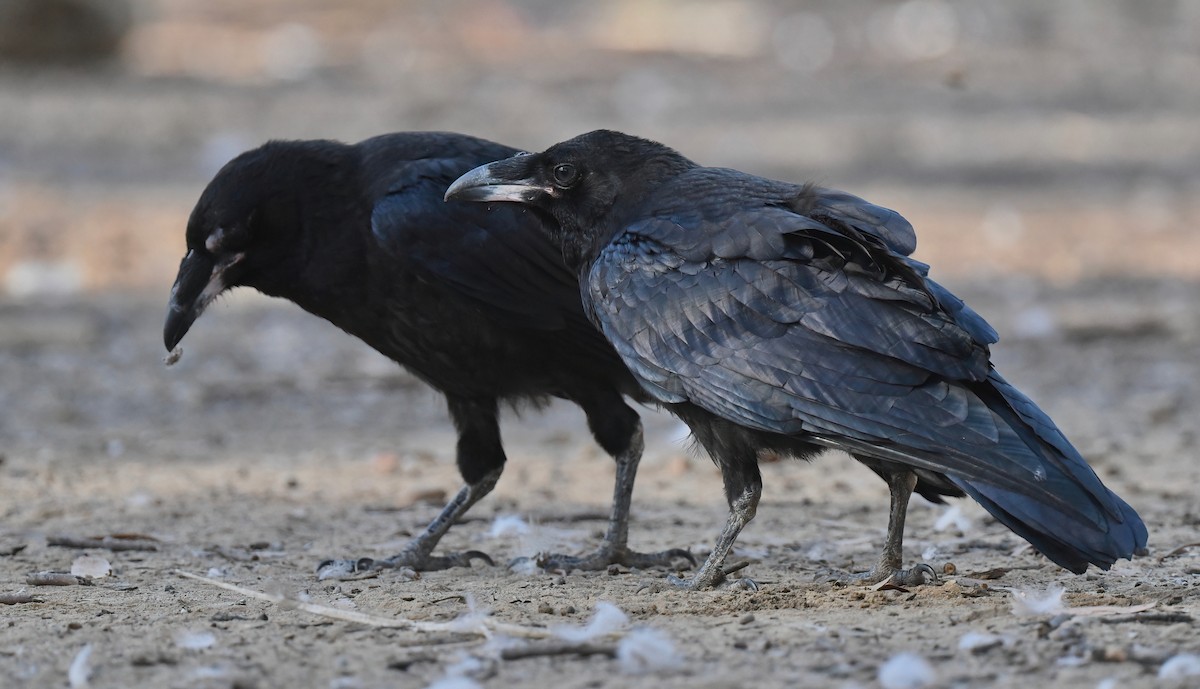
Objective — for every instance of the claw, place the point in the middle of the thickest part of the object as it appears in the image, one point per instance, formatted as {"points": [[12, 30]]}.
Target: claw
{"points": [[721, 578], [476, 555], [607, 555], [346, 569], [917, 576]]}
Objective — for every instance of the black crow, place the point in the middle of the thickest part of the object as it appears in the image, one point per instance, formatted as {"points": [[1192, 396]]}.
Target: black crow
{"points": [[474, 301], [774, 316]]}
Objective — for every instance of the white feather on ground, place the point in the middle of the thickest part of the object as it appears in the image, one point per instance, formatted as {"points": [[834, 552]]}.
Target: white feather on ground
{"points": [[1180, 666], [645, 650], [1030, 603], [79, 675], [195, 641], [906, 671], [455, 682], [608, 619], [91, 566], [507, 525], [977, 642]]}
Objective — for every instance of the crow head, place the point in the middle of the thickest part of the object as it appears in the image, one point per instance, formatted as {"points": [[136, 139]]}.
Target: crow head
{"points": [[587, 185], [248, 228]]}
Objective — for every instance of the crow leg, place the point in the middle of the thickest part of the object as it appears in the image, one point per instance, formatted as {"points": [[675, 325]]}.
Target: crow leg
{"points": [[900, 485], [480, 461], [614, 549], [712, 572], [418, 554]]}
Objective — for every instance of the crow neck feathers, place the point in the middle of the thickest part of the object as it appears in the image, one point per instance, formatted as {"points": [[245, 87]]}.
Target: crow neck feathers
{"points": [[607, 196]]}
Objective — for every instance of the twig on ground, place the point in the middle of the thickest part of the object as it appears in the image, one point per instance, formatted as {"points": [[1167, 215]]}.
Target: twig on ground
{"points": [[557, 649], [107, 542], [1178, 550], [484, 627], [18, 598], [736, 567], [55, 579]]}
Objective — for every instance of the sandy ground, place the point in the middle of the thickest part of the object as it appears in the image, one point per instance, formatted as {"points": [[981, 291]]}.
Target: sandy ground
{"points": [[277, 442]]}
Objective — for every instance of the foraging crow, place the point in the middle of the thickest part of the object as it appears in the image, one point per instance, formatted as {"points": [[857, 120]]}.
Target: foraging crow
{"points": [[474, 301], [768, 315]]}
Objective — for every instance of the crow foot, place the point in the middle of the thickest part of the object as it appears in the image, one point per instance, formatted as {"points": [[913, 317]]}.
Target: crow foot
{"points": [[608, 554], [711, 578], [882, 574], [420, 562]]}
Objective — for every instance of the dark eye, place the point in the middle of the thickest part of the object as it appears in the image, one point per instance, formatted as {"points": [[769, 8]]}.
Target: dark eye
{"points": [[564, 175]]}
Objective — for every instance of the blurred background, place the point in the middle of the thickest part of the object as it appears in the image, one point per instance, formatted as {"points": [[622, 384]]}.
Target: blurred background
{"points": [[1047, 153], [1057, 139]]}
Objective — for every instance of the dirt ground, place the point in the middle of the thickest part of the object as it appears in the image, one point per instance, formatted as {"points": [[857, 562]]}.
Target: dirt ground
{"points": [[277, 442], [1049, 159]]}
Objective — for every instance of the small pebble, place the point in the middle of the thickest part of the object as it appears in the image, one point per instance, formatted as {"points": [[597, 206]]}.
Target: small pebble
{"points": [[545, 608], [747, 618]]}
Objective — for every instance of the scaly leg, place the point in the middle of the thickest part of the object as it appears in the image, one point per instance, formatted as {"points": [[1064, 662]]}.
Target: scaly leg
{"points": [[712, 572], [900, 485], [614, 549], [418, 553]]}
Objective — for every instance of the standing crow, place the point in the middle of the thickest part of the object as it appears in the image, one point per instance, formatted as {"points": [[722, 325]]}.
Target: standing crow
{"points": [[772, 316], [474, 301]]}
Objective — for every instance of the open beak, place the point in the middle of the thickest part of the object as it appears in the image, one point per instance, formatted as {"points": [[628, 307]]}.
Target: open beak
{"points": [[199, 282], [510, 179]]}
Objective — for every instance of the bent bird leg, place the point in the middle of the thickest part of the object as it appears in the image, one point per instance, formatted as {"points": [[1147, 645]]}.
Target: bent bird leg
{"points": [[712, 572], [900, 485], [614, 549], [418, 553]]}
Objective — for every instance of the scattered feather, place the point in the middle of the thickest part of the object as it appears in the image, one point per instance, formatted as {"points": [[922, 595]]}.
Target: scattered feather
{"points": [[526, 566], [647, 650], [475, 623], [906, 671], [455, 682], [953, 518], [469, 665], [472, 620], [507, 525], [607, 620], [79, 675], [195, 641], [978, 642], [1030, 603], [91, 567], [336, 569], [1180, 666]]}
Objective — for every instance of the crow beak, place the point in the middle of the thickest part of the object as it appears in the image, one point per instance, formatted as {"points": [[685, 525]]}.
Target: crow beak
{"points": [[503, 180], [199, 281]]}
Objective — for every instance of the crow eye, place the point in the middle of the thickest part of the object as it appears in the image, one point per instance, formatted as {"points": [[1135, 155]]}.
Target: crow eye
{"points": [[564, 175]]}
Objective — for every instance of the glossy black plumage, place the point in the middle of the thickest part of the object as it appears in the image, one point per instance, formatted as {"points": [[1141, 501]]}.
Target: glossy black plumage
{"points": [[474, 300], [774, 315]]}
